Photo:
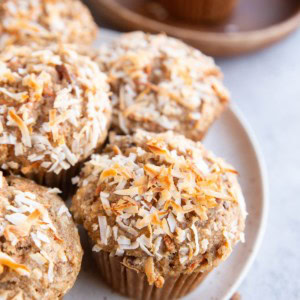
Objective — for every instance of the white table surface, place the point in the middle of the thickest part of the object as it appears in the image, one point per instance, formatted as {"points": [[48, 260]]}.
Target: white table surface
{"points": [[266, 87]]}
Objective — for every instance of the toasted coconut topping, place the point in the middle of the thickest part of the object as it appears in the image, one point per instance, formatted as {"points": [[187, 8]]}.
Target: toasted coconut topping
{"points": [[49, 122], [103, 229], [44, 21], [23, 128], [6, 260], [159, 84], [30, 238], [149, 270], [64, 210], [177, 203]]}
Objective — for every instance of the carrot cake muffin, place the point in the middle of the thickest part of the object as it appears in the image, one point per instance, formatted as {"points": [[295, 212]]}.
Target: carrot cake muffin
{"points": [[40, 251], [44, 21], [161, 212], [159, 84], [54, 112]]}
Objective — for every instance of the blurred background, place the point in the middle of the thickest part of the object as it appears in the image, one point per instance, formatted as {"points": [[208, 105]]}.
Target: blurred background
{"points": [[257, 45]]}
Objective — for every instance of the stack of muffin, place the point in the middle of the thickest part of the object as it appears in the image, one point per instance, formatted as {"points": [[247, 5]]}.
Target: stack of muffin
{"points": [[160, 210]]}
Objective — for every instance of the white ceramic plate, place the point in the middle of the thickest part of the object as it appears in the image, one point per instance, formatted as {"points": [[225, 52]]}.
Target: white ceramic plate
{"points": [[231, 138]]}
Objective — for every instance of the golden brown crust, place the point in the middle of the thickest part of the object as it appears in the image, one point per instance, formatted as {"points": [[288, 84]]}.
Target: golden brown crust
{"points": [[40, 251], [162, 202], [159, 84], [44, 21]]}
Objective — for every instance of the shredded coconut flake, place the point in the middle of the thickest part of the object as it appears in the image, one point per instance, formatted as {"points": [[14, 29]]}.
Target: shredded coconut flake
{"points": [[6, 260], [196, 238], [63, 210], [103, 229]]}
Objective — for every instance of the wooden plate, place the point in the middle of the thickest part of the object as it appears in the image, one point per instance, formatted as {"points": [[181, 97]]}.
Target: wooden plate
{"points": [[254, 24]]}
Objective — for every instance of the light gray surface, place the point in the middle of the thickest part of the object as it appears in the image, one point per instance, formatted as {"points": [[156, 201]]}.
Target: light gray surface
{"points": [[266, 88]]}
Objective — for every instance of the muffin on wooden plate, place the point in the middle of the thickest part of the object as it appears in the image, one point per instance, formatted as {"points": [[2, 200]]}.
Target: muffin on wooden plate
{"points": [[44, 21], [159, 84], [211, 11], [161, 213], [54, 112], [40, 251]]}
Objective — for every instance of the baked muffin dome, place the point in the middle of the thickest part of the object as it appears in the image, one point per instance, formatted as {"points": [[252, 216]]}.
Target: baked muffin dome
{"points": [[44, 21], [40, 251], [162, 203], [54, 111], [159, 84]]}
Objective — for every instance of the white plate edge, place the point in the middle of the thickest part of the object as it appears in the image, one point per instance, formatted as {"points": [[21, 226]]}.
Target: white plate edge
{"points": [[265, 197]]}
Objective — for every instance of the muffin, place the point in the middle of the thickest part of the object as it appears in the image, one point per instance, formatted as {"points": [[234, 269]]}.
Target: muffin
{"points": [[44, 21], [54, 112], [207, 11], [161, 212], [159, 84], [40, 251]]}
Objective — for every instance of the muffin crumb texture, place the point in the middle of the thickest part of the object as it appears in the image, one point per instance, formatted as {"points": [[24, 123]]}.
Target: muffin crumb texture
{"points": [[54, 108], [40, 22], [162, 202], [40, 251], [159, 84]]}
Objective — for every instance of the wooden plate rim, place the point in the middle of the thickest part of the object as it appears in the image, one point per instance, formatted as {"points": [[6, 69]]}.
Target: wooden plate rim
{"points": [[267, 34]]}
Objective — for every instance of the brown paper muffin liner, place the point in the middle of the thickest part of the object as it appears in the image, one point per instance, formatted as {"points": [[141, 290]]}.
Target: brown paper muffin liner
{"points": [[200, 10], [133, 284], [63, 180]]}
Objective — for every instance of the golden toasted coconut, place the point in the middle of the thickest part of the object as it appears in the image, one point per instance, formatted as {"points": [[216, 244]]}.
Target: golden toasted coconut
{"points": [[44, 21], [162, 202], [159, 84], [40, 251], [54, 109]]}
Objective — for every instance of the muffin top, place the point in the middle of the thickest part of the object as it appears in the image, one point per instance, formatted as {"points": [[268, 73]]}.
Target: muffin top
{"points": [[54, 108], [42, 21], [163, 202], [159, 84], [40, 252]]}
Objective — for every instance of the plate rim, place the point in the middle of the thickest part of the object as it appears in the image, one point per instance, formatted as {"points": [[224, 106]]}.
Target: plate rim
{"points": [[232, 43], [236, 112], [295, 17]]}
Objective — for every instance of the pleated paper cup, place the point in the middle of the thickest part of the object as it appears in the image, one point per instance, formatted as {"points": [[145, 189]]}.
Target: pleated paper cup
{"points": [[134, 284], [62, 181]]}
